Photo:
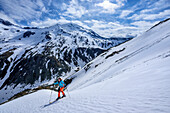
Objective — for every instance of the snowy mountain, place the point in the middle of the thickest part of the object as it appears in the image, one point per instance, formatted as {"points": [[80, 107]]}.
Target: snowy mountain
{"points": [[151, 49], [133, 77], [30, 57]]}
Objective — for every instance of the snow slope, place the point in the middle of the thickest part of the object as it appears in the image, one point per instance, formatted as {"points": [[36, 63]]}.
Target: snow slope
{"points": [[131, 78]]}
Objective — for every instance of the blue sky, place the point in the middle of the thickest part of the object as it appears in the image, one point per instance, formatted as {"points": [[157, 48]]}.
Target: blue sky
{"points": [[106, 17]]}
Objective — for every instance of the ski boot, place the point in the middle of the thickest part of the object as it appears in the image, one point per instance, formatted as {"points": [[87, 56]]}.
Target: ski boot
{"points": [[58, 98], [63, 96]]}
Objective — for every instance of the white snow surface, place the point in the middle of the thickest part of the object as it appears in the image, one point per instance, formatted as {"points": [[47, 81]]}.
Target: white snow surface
{"points": [[137, 80]]}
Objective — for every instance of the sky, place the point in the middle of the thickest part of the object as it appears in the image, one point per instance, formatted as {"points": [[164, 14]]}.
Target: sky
{"points": [[108, 18]]}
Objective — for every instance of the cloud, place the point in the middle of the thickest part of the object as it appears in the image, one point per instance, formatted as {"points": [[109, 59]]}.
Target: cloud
{"points": [[80, 23], [5, 17], [163, 14], [48, 22], [156, 7], [21, 10], [49, 2], [125, 13], [87, 21], [159, 5], [112, 29], [144, 25], [145, 8], [110, 7], [86, 0], [74, 10]]}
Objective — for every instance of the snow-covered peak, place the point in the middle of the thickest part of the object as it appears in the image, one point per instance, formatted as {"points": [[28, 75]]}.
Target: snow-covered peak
{"points": [[71, 26]]}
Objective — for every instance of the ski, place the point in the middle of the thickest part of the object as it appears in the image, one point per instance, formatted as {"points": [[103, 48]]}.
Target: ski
{"points": [[52, 102], [55, 100]]}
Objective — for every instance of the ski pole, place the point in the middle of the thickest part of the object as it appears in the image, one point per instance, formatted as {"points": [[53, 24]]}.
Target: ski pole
{"points": [[50, 96], [68, 92]]}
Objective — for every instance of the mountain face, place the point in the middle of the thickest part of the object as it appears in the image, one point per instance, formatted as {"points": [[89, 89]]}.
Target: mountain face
{"points": [[30, 57]]}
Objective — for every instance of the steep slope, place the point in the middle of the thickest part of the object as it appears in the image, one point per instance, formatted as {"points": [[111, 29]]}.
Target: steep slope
{"points": [[133, 77], [30, 57], [151, 46]]}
